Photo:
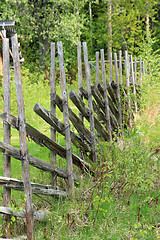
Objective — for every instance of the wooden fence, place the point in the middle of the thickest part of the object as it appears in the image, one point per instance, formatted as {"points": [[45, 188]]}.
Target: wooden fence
{"points": [[110, 107]]}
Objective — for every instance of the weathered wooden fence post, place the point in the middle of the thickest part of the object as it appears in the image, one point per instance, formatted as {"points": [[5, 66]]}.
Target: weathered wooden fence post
{"points": [[120, 66], [97, 68], [135, 70], [128, 88], [23, 139], [66, 119], [53, 109], [80, 79], [6, 133], [90, 104], [97, 77], [107, 115], [134, 87], [110, 66], [80, 82], [140, 71], [118, 91]]}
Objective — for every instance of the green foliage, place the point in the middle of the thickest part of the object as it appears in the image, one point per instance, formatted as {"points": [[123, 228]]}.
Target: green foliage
{"points": [[39, 23]]}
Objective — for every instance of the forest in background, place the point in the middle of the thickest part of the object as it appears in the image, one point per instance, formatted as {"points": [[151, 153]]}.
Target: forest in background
{"points": [[111, 25], [122, 200]]}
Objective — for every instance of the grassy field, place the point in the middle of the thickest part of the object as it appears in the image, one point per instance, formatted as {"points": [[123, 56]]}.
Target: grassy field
{"points": [[122, 201]]}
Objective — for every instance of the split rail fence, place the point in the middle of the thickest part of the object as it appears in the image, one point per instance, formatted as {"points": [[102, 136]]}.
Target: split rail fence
{"points": [[110, 106]]}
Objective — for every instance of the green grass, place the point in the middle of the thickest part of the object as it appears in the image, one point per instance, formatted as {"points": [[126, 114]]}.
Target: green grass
{"points": [[122, 200]]}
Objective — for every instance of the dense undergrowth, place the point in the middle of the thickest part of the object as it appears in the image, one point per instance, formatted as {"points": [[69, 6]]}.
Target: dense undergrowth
{"points": [[122, 200]]}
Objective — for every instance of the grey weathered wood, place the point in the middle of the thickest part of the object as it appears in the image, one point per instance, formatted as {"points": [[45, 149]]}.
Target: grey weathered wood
{"points": [[53, 108], [90, 105], [112, 90], [128, 88], [58, 126], [37, 215], [23, 140], [97, 79], [102, 117], [80, 81], [97, 68], [84, 92], [140, 71], [110, 66], [98, 98], [85, 112], [37, 136], [134, 87], [107, 115], [35, 162], [66, 119], [135, 70], [127, 68], [120, 66], [118, 91], [6, 133], [112, 106], [36, 188], [78, 124], [79, 59]]}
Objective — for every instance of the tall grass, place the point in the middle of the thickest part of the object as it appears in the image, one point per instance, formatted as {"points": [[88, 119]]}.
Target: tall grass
{"points": [[122, 200]]}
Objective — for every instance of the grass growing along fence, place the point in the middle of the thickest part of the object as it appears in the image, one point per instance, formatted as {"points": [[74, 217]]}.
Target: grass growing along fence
{"points": [[123, 201]]}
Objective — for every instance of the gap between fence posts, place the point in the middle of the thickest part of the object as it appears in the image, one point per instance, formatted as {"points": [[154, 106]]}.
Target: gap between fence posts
{"points": [[107, 115], [90, 104], [53, 110], [66, 119], [6, 134], [23, 139]]}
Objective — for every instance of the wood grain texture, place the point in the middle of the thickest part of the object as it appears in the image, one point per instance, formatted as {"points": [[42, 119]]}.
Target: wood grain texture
{"points": [[23, 141]]}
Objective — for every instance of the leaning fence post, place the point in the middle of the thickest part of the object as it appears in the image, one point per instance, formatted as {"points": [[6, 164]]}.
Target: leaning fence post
{"points": [[6, 134], [90, 105], [120, 66], [107, 115], [127, 88], [97, 68], [118, 91], [53, 110], [66, 119], [134, 87], [80, 81], [23, 139]]}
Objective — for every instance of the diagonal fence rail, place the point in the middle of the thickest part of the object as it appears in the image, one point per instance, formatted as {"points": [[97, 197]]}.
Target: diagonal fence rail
{"points": [[107, 106]]}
